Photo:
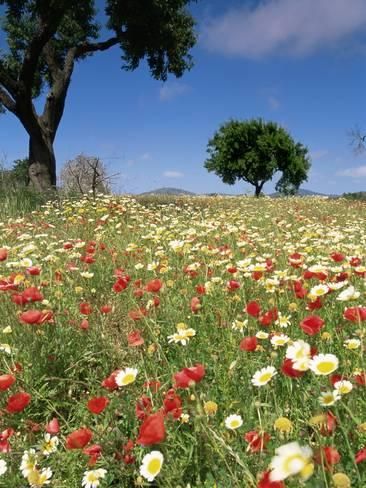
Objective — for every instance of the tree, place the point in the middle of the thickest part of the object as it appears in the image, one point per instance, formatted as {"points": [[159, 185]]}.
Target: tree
{"points": [[15, 177], [84, 174], [46, 38], [358, 140], [254, 151]]}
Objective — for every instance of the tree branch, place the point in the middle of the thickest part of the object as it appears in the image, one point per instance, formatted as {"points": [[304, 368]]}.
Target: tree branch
{"points": [[7, 81], [7, 101], [97, 46]]}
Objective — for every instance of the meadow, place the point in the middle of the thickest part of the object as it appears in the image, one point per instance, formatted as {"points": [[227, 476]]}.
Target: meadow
{"points": [[183, 342]]}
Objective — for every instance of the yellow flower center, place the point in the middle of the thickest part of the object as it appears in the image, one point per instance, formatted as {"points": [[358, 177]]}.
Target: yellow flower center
{"points": [[154, 466], [326, 367], [129, 378], [265, 377], [293, 464]]}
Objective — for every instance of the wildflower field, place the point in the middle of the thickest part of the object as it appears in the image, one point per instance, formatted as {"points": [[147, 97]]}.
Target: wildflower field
{"points": [[202, 342]]}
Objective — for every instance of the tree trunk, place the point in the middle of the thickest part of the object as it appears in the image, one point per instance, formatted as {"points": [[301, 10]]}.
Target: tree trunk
{"points": [[42, 164], [258, 188]]}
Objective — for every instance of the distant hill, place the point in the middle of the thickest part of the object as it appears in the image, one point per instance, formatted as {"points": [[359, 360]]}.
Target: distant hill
{"points": [[168, 191], [303, 193]]}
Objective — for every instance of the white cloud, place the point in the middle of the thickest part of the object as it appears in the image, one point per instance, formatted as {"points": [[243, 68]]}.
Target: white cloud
{"points": [[319, 154], [296, 27], [173, 174], [274, 103], [171, 90], [359, 172]]}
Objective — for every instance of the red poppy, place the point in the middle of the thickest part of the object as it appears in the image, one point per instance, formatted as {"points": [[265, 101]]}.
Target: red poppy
{"points": [[4, 439], [18, 402], [257, 275], [355, 261], [195, 304], [287, 369], [94, 452], [3, 254], [328, 456], [84, 324], [138, 314], [120, 285], [269, 317], [257, 440], [153, 386], [232, 285], [78, 439], [32, 294], [134, 338], [110, 382], [106, 309], [53, 426], [312, 324], [232, 269], [85, 308], [338, 257], [355, 314], [143, 407], [97, 404], [34, 270], [173, 404], [189, 376], [201, 290], [152, 430], [334, 378], [253, 308], [361, 379], [31, 316], [6, 380], [154, 286], [265, 482], [361, 455], [330, 424], [315, 305], [248, 344]]}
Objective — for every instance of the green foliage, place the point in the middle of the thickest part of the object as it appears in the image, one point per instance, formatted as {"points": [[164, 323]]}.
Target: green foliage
{"points": [[254, 151], [358, 195]]}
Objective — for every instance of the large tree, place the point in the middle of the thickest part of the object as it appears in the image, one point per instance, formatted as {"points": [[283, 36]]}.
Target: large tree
{"points": [[45, 38], [253, 151]]}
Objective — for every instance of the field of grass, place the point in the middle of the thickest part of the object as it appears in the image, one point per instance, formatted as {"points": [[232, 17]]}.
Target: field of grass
{"points": [[189, 342]]}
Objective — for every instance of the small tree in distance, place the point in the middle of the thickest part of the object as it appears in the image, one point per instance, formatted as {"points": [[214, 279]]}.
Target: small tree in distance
{"points": [[84, 174], [253, 151]]}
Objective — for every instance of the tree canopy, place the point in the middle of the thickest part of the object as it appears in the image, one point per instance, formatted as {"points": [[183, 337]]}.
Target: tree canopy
{"points": [[253, 151], [45, 38]]}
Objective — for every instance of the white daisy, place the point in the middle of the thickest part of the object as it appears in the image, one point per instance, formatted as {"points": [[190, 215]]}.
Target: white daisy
{"points": [[291, 459], [324, 364], [126, 376], [263, 376], [151, 465], [233, 422], [91, 479], [343, 387], [328, 398]]}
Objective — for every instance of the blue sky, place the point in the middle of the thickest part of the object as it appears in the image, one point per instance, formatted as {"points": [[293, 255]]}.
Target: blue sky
{"points": [[301, 63]]}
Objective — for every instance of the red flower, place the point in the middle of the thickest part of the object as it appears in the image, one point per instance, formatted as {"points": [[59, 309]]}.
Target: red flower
{"points": [[315, 305], [248, 344], [361, 455], [154, 286], [173, 404], [143, 407], [31, 316], [233, 285], [6, 380], [3, 254], [355, 314], [195, 304], [152, 430], [93, 452], [78, 439], [34, 270], [265, 482], [268, 317], [287, 369], [97, 404], [138, 314], [110, 382], [53, 427], [121, 284], [201, 290], [84, 324], [257, 441], [85, 308], [338, 257], [4, 442], [355, 261], [361, 379], [18, 402], [327, 456], [253, 308], [189, 376], [106, 309], [134, 338], [32, 294], [153, 385], [330, 425], [312, 324]]}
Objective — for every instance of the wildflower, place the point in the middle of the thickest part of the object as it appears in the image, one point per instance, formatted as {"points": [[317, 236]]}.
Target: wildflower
{"points": [[6, 380], [360, 455], [328, 398], [279, 340], [343, 387], [283, 320], [182, 335], [283, 425], [3, 467], [78, 439], [312, 324], [253, 308], [152, 430], [126, 376], [39, 478], [352, 344], [184, 418], [291, 459], [324, 364], [29, 462], [262, 335], [233, 422], [96, 405], [341, 480], [91, 479], [18, 402], [189, 376], [348, 294], [49, 445], [248, 344], [151, 465], [210, 408], [53, 427], [256, 440], [263, 376]]}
